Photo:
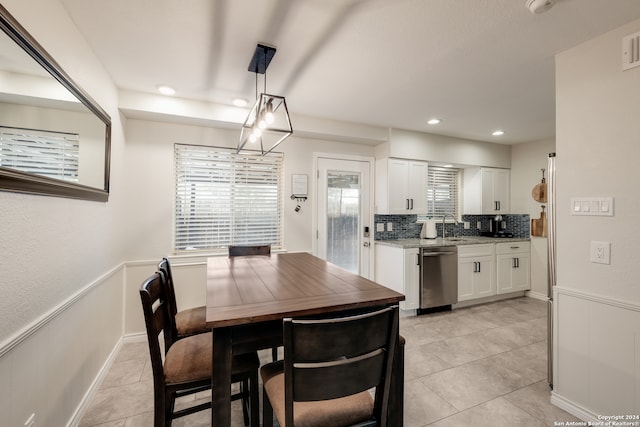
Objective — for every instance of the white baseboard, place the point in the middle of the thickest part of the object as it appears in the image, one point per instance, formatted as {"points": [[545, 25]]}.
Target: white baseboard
{"points": [[536, 295], [95, 386], [573, 408]]}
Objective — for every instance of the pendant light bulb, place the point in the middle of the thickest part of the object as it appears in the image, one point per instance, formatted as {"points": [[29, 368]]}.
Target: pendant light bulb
{"points": [[268, 116], [253, 138], [262, 122]]}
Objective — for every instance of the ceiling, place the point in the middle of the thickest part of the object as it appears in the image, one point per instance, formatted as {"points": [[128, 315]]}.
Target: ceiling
{"points": [[479, 65]]}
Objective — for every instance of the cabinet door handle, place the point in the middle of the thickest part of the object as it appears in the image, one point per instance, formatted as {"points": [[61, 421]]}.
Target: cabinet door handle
{"points": [[407, 204], [517, 262], [411, 204], [418, 259]]}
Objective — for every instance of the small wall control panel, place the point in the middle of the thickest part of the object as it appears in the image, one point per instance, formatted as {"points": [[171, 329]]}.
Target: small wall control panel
{"points": [[592, 206]]}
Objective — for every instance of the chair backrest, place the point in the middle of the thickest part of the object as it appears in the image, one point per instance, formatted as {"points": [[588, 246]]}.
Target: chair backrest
{"points": [[165, 268], [157, 319], [332, 358], [249, 250]]}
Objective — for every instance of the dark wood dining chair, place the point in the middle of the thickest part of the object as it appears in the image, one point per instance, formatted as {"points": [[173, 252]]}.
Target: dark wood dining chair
{"points": [[329, 366], [249, 250], [187, 362], [190, 321], [237, 250]]}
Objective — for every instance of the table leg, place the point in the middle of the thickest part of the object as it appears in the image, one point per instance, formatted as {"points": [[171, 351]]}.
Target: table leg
{"points": [[221, 378]]}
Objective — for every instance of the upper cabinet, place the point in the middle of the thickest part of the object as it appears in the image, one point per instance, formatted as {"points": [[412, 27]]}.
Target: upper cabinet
{"points": [[401, 186], [486, 191]]}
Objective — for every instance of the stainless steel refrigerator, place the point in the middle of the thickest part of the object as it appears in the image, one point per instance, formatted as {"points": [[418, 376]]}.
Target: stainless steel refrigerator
{"points": [[551, 259]]}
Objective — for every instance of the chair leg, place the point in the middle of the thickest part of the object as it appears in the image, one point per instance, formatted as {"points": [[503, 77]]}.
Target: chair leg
{"points": [[167, 408], [267, 410], [244, 391], [274, 353], [254, 391]]}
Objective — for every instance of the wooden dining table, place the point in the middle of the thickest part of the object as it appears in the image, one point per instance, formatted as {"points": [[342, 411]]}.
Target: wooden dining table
{"points": [[247, 298]]}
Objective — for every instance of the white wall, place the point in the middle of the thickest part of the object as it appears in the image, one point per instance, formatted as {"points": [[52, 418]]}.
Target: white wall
{"points": [[150, 182], [527, 160], [598, 306], [60, 274]]}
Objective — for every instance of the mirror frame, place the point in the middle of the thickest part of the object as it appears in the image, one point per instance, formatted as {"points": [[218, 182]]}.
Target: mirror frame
{"points": [[23, 182]]}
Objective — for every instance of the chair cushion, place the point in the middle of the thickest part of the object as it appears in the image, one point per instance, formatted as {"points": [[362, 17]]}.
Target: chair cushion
{"points": [[189, 359], [344, 411], [191, 321]]}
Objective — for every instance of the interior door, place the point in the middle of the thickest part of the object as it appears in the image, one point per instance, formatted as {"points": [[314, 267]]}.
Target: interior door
{"points": [[344, 234]]}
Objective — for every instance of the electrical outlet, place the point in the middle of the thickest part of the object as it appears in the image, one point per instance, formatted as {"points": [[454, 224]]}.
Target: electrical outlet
{"points": [[31, 421], [479, 225], [601, 252], [379, 226], [389, 226], [467, 225]]}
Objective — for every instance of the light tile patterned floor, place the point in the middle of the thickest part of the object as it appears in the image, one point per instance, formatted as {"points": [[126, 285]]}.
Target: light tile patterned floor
{"points": [[478, 366]]}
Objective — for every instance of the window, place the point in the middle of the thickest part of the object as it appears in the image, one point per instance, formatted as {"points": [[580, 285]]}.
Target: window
{"points": [[442, 191], [224, 198], [45, 153]]}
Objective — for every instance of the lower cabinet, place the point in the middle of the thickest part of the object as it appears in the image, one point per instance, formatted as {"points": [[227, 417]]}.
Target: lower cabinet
{"points": [[484, 270], [476, 272], [399, 269], [513, 267]]}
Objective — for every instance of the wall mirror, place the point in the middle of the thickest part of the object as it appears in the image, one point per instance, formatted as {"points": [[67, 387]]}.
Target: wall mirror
{"points": [[54, 138]]}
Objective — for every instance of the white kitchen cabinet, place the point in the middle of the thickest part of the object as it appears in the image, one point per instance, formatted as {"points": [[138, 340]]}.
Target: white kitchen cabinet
{"points": [[486, 191], [476, 277], [513, 262], [398, 269], [401, 186]]}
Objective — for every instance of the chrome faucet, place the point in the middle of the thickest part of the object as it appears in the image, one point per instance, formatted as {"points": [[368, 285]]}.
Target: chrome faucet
{"points": [[444, 232]]}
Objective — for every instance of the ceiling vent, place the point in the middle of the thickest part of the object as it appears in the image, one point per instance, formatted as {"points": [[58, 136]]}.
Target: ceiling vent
{"points": [[539, 6]]}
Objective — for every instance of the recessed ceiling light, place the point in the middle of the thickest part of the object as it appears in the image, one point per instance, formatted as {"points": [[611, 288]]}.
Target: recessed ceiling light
{"points": [[447, 166], [498, 133], [166, 90], [240, 102], [433, 121]]}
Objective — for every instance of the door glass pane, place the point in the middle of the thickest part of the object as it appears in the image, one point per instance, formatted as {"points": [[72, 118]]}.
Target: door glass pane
{"points": [[343, 208]]}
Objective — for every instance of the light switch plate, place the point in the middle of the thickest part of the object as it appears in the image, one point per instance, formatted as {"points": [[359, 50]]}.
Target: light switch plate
{"points": [[380, 226], [601, 252], [592, 206]]}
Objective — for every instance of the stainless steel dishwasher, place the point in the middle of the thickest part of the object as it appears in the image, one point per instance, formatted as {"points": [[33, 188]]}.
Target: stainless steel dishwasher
{"points": [[438, 277]]}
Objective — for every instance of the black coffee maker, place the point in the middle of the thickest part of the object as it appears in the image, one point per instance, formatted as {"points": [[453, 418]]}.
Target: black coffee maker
{"points": [[496, 229], [495, 224]]}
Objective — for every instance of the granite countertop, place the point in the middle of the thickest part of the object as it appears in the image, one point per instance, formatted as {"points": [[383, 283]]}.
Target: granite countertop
{"points": [[456, 241]]}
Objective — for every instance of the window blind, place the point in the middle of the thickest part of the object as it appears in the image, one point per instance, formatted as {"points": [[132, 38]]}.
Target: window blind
{"points": [[46, 153], [442, 191], [223, 198]]}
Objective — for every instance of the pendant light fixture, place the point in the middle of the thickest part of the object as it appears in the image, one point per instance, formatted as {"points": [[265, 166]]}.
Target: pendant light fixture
{"points": [[268, 122]]}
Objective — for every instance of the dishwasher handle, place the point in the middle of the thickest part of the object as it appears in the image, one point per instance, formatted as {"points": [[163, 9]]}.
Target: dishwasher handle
{"points": [[437, 253]]}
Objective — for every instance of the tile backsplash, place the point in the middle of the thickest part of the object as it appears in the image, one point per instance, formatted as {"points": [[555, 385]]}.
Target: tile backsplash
{"points": [[407, 227]]}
